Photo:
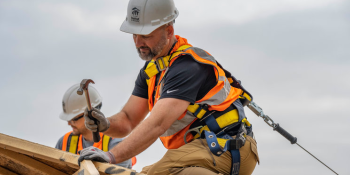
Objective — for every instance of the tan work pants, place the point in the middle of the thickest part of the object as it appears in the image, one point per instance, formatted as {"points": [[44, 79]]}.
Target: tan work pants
{"points": [[193, 158]]}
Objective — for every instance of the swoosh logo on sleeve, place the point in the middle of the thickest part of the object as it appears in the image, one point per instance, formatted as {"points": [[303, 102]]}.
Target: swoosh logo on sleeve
{"points": [[170, 91]]}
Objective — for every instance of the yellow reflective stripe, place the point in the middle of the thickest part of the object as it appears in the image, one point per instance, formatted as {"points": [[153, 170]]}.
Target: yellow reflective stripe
{"points": [[175, 54], [73, 144], [160, 63], [222, 142], [228, 118], [151, 69], [147, 81], [201, 113], [105, 143], [193, 108], [183, 47]]}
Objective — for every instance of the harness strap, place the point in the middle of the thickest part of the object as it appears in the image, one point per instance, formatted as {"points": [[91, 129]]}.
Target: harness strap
{"points": [[236, 160], [161, 63], [105, 142], [73, 144]]}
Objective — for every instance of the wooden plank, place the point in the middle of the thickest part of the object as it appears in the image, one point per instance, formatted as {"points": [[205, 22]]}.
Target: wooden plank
{"points": [[22, 164], [4, 171], [79, 172], [114, 169], [89, 167], [53, 157], [63, 168], [39, 151]]}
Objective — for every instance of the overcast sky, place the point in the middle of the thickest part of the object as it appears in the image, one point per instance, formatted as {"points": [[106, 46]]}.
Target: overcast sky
{"points": [[292, 55]]}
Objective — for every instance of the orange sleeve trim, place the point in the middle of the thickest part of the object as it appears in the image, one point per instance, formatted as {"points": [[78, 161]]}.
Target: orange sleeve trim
{"points": [[65, 140]]}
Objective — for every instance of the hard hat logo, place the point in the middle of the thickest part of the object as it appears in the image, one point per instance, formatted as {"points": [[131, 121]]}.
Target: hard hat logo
{"points": [[135, 14], [145, 16]]}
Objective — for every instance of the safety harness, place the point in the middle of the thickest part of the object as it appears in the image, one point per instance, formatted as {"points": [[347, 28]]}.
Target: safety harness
{"points": [[226, 129]]}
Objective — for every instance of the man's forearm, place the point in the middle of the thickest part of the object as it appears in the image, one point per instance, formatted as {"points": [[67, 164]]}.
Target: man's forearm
{"points": [[140, 139], [163, 115], [120, 125]]}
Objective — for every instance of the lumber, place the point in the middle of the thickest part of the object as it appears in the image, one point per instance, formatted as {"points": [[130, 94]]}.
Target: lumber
{"points": [[114, 169], [40, 151], [22, 164], [89, 168], [4, 171], [43, 158]]}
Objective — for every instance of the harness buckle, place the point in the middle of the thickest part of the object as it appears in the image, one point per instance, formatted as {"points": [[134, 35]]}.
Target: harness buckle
{"points": [[158, 66]]}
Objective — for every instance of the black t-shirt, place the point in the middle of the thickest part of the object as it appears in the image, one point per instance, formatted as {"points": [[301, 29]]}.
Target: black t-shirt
{"points": [[186, 79]]}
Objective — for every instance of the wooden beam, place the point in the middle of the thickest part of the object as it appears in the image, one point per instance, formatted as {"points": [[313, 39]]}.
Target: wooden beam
{"points": [[4, 171], [40, 151], [114, 169], [52, 156], [22, 164], [89, 167]]}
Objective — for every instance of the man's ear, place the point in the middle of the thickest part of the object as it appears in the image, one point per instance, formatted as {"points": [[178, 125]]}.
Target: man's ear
{"points": [[170, 31]]}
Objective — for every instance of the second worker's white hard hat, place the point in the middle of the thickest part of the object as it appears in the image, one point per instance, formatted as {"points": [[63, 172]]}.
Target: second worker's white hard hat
{"points": [[144, 16], [74, 104]]}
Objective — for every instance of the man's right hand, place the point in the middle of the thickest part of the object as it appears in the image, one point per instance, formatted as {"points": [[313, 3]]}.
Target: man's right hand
{"points": [[102, 124]]}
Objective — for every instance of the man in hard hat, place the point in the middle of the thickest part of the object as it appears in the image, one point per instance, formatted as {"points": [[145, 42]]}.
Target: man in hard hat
{"points": [[80, 137], [194, 109]]}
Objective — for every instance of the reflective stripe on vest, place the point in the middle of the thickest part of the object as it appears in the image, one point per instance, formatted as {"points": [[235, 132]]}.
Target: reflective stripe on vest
{"points": [[76, 143], [218, 98]]}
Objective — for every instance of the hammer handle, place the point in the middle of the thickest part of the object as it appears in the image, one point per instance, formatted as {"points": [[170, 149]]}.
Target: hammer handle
{"points": [[95, 135]]}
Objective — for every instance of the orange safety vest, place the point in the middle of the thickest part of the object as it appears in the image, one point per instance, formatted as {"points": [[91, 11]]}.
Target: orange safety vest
{"points": [[219, 98], [76, 143]]}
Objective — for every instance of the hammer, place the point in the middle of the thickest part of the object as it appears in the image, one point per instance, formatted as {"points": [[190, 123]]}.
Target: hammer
{"points": [[84, 89]]}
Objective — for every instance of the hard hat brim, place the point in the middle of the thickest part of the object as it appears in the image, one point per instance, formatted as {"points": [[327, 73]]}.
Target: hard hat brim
{"points": [[137, 29], [67, 117]]}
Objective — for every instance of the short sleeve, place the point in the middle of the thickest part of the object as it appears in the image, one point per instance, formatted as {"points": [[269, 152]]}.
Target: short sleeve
{"points": [[141, 87]]}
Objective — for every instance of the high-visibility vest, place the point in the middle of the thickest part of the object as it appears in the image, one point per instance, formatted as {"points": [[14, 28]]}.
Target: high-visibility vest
{"points": [[219, 98], [75, 143]]}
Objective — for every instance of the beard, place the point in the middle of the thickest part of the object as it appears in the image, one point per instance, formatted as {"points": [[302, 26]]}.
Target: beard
{"points": [[78, 131], [152, 52]]}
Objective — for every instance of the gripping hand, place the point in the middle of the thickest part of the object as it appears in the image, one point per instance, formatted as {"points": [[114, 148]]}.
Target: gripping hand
{"points": [[102, 122], [92, 153]]}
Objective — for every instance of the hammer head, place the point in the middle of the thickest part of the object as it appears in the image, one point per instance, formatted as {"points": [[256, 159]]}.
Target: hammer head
{"points": [[84, 86]]}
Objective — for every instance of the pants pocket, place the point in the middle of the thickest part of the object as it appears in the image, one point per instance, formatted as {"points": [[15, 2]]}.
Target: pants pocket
{"points": [[254, 147]]}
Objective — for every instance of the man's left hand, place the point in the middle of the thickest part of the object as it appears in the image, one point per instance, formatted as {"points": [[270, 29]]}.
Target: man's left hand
{"points": [[92, 153]]}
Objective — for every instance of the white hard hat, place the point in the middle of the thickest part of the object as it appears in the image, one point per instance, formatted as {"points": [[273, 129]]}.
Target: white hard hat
{"points": [[74, 104], [144, 16]]}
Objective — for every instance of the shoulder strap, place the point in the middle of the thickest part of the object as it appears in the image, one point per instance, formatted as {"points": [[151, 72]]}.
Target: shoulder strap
{"points": [[73, 144], [105, 142], [161, 63], [246, 97]]}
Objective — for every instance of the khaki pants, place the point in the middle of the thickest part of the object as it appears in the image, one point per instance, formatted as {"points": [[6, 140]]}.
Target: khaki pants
{"points": [[193, 158]]}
